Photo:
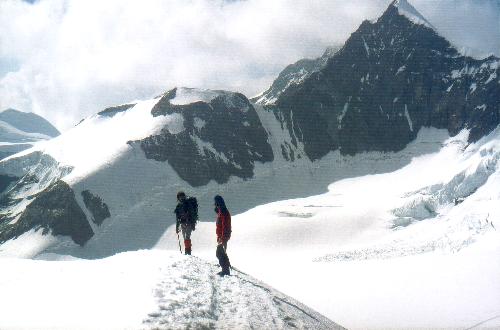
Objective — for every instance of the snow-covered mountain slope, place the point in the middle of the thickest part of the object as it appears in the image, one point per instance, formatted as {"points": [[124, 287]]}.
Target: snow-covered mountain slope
{"points": [[109, 184], [142, 290], [20, 130], [414, 248], [28, 122], [391, 77]]}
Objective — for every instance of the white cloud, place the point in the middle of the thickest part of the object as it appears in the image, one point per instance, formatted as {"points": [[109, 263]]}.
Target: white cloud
{"points": [[76, 57], [473, 25]]}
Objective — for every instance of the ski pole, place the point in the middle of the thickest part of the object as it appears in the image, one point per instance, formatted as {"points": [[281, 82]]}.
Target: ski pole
{"points": [[179, 241]]}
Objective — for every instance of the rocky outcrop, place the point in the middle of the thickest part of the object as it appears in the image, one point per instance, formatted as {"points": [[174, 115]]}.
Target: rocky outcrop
{"points": [[96, 206], [221, 136], [6, 181], [391, 78], [112, 111], [54, 210]]}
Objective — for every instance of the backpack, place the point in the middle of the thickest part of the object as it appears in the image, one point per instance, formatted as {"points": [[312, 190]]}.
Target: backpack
{"points": [[192, 208]]}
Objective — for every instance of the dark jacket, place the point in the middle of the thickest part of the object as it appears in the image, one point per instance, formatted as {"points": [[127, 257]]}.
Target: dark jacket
{"points": [[182, 213]]}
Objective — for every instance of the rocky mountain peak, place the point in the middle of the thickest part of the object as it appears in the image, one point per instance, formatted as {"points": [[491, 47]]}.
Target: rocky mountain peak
{"points": [[390, 78], [221, 135], [406, 9]]}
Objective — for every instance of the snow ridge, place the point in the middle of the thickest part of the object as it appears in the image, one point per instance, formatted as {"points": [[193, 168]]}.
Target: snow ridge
{"points": [[191, 295], [407, 10], [186, 95]]}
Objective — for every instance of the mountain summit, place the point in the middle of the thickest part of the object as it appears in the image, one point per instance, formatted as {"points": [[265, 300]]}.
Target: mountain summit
{"points": [[406, 9], [391, 78]]}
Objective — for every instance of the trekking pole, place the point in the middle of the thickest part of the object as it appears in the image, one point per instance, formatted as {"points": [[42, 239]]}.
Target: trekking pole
{"points": [[179, 241]]}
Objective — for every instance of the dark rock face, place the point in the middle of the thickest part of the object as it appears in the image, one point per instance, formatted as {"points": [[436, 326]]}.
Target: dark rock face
{"points": [[294, 74], [53, 209], [112, 111], [96, 206], [390, 79], [222, 137], [6, 181]]}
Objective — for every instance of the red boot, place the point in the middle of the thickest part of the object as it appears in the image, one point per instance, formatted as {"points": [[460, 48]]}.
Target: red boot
{"points": [[187, 246]]}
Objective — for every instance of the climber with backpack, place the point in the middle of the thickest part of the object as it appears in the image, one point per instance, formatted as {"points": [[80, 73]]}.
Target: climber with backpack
{"points": [[223, 232], [186, 213]]}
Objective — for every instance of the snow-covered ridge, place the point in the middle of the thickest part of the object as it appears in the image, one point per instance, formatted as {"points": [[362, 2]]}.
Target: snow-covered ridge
{"points": [[235, 302], [142, 290], [407, 10], [186, 95]]}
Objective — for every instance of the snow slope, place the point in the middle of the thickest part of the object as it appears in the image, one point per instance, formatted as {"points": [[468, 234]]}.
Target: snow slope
{"points": [[415, 248], [366, 254], [139, 193], [372, 251], [142, 290]]}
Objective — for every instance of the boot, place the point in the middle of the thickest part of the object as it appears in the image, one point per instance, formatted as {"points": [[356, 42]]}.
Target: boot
{"points": [[187, 247], [224, 272]]}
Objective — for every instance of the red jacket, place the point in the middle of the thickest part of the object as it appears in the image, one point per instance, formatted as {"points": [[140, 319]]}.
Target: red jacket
{"points": [[223, 229]]}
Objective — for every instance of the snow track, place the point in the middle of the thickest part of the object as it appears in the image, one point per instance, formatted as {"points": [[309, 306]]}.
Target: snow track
{"points": [[191, 295]]}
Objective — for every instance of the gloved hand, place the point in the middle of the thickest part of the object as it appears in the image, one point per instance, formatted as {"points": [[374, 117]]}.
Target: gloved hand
{"points": [[177, 230]]}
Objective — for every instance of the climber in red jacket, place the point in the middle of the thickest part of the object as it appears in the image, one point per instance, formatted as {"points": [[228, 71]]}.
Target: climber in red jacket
{"points": [[223, 231]]}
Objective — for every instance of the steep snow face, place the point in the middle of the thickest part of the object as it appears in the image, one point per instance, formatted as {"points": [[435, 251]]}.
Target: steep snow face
{"points": [[34, 197], [142, 290], [20, 130], [101, 139]]}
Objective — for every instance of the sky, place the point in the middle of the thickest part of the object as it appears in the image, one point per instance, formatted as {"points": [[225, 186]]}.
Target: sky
{"points": [[66, 60]]}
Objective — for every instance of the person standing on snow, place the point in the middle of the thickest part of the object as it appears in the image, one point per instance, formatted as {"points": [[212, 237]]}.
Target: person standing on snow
{"points": [[186, 213], [223, 231]]}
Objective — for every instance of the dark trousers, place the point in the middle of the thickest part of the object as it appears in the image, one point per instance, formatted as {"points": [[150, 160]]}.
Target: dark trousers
{"points": [[221, 254]]}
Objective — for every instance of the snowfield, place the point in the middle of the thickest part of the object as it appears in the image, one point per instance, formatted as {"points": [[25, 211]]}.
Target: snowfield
{"points": [[142, 290], [378, 240], [415, 248], [397, 240]]}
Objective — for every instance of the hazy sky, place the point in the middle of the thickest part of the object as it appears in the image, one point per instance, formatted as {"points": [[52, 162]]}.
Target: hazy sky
{"points": [[68, 59]]}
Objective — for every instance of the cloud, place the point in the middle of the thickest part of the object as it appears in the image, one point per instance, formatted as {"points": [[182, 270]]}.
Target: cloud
{"points": [[473, 26], [73, 58]]}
